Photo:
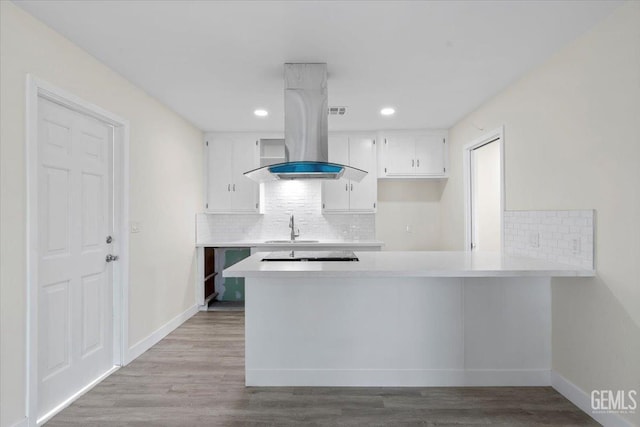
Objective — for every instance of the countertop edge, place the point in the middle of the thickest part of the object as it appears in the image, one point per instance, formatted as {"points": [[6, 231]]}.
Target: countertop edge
{"points": [[251, 244], [408, 274], [407, 264]]}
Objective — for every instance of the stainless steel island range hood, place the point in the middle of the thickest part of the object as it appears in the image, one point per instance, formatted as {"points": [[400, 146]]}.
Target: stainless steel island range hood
{"points": [[306, 130]]}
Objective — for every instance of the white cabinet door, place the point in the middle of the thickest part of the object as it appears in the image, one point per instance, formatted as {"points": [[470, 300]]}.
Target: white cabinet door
{"points": [[362, 155], [414, 154], [399, 155], [228, 190], [430, 155], [219, 175], [244, 192], [335, 193]]}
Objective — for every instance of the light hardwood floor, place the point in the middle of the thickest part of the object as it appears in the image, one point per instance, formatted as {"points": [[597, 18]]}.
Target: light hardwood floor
{"points": [[195, 377]]}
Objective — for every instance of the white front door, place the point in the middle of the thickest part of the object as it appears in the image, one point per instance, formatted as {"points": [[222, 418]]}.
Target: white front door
{"points": [[75, 284], [486, 193]]}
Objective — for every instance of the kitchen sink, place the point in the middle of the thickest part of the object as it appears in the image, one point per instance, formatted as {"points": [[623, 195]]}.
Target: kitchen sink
{"points": [[291, 241]]}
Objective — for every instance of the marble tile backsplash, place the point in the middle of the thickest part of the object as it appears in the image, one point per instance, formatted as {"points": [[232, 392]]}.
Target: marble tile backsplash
{"points": [[281, 199], [565, 236]]}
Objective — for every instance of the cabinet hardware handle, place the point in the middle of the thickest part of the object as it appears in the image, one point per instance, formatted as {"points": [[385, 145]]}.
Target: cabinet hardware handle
{"points": [[234, 187], [346, 187], [351, 187], [228, 187], [418, 162], [413, 163]]}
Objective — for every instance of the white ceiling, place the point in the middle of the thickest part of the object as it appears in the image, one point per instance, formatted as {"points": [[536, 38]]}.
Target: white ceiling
{"points": [[215, 62]]}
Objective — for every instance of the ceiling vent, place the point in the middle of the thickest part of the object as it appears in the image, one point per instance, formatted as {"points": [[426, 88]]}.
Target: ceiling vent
{"points": [[337, 111]]}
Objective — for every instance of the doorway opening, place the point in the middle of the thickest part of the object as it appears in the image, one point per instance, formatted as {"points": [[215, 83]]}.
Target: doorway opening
{"points": [[77, 247], [484, 191]]}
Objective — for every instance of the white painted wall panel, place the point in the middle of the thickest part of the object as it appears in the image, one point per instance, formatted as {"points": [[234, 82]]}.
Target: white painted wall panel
{"points": [[166, 188]]}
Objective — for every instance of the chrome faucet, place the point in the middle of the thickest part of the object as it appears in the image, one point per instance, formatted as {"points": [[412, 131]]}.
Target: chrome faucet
{"points": [[292, 226]]}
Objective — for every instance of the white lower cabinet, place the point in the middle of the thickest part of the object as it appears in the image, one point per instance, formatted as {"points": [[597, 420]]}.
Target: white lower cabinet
{"points": [[413, 155], [346, 196], [228, 158]]}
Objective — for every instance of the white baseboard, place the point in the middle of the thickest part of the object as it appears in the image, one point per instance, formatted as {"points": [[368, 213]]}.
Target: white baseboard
{"points": [[396, 377], [582, 400], [22, 423], [75, 396], [146, 343]]}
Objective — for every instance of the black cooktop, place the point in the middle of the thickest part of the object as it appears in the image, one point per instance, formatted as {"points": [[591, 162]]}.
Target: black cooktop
{"points": [[311, 256]]}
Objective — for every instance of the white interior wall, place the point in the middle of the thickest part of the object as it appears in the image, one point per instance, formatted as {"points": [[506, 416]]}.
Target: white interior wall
{"points": [[572, 141], [409, 203], [166, 189]]}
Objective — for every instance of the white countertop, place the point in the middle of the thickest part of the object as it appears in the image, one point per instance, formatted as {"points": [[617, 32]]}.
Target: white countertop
{"points": [[409, 264], [262, 243]]}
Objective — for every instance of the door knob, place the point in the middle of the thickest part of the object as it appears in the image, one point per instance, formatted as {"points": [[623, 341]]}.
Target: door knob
{"points": [[111, 258]]}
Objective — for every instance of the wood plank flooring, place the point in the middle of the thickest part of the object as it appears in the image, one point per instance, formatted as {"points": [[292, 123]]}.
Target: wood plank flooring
{"points": [[195, 377]]}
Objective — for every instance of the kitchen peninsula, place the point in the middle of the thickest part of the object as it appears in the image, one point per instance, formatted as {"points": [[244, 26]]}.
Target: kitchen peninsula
{"points": [[400, 319]]}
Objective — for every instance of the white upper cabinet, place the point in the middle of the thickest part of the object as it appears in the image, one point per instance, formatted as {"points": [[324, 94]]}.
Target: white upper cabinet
{"points": [[335, 192], [414, 155], [345, 196], [228, 190]]}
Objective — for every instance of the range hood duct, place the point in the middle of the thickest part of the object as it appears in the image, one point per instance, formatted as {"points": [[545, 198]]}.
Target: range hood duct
{"points": [[306, 130]]}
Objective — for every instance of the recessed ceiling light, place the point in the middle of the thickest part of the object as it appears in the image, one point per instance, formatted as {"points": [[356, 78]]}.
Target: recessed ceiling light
{"points": [[261, 113], [387, 111]]}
